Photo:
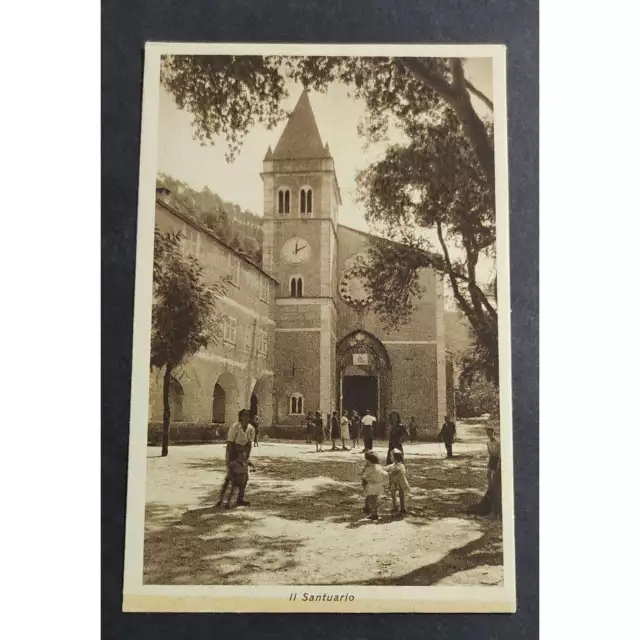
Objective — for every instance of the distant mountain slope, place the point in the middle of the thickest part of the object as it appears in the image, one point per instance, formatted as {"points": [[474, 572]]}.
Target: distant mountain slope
{"points": [[241, 229]]}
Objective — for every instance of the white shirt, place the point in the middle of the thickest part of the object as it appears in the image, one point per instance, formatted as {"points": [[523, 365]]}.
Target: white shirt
{"points": [[239, 435], [368, 420]]}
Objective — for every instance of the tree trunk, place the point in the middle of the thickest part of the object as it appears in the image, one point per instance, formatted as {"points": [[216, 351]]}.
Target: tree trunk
{"points": [[166, 414]]}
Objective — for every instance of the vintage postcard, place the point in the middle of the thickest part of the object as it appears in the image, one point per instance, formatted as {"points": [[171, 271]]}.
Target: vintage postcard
{"points": [[321, 396]]}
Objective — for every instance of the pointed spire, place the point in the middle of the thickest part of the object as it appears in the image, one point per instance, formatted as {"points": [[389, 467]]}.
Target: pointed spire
{"points": [[300, 138], [327, 151], [269, 155]]}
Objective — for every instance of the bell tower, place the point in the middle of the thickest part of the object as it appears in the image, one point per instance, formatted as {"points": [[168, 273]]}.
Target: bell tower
{"points": [[301, 200]]}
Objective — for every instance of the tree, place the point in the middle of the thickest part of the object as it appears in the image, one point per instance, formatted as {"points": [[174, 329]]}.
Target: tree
{"points": [[432, 196], [184, 319], [227, 95]]}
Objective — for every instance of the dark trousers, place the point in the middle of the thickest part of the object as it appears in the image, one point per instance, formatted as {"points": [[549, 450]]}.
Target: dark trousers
{"points": [[449, 448], [368, 439]]}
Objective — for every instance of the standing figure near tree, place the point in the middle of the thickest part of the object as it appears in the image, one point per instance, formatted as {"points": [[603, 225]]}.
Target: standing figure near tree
{"points": [[447, 435], [397, 434], [494, 490], [256, 426]]}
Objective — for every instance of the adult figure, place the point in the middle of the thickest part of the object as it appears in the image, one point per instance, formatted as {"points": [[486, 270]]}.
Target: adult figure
{"points": [[354, 429], [447, 435], [335, 430], [413, 429], [256, 425], [344, 430], [318, 431], [367, 430], [397, 434], [310, 426], [240, 438]]}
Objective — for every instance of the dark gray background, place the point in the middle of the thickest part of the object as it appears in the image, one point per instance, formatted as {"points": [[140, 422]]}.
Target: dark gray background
{"points": [[126, 25]]}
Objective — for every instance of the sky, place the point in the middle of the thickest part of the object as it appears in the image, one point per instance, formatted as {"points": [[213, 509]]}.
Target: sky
{"points": [[239, 182]]}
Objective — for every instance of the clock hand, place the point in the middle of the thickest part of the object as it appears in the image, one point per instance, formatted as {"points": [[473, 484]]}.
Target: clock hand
{"points": [[304, 246], [296, 249]]}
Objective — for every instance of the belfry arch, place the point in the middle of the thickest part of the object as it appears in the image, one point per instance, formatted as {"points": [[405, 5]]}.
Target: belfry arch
{"points": [[363, 375]]}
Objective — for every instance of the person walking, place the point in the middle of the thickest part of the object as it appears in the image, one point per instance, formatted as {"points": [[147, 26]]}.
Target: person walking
{"points": [[344, 430], [318, 431], [367, 430], [447, 435], [335, 430], [397, 435], [413, 429], [240, 437]]}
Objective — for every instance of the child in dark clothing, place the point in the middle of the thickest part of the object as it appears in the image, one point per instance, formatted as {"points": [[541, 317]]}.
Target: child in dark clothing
{"points": [[237, 478]]}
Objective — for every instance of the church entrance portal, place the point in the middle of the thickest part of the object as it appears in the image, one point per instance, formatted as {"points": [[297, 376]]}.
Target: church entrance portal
{"points": [[364, 375], [360, 393]]}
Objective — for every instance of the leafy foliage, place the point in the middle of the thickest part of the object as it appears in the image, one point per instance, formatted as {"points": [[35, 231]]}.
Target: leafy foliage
{"points": [[240, 229], [477, 396], [183, 318]]}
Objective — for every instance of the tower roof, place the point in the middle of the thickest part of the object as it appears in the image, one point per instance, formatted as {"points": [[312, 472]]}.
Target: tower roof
{"points": [[300, 138]]}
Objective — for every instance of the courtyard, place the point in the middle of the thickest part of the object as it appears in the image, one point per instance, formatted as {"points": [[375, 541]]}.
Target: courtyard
{"points": [[305, 523]]}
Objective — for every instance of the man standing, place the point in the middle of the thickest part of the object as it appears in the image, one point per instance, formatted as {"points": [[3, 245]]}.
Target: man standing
{"points": [[367, 430], [447, 435], [494, 489], [240, 437], [335, 430], [413, 429], [256, 426]]}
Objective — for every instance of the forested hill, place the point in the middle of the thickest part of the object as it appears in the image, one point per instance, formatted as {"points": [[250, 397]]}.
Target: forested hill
{"points": [[241, 229]]}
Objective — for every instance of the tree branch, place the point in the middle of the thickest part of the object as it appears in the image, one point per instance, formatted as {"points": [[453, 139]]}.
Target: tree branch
{"points": [[421, 73], [478, 94]]}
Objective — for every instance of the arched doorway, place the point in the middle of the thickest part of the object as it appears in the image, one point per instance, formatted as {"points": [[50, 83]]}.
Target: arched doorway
{"points": [[224, 402], [219, 404], [261, 400], [364, 373]]}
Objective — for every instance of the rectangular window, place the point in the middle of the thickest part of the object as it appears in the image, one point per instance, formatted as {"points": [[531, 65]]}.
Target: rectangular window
{"points": [[262, 342], [264, 289], [230, 329]]}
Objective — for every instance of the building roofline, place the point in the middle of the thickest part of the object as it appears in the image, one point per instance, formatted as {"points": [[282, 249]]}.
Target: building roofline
{"points": [[185, 217], [373, 235]]}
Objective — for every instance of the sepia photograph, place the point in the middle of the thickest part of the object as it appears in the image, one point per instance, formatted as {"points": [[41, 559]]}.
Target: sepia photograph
{"points": [[321, 387]]}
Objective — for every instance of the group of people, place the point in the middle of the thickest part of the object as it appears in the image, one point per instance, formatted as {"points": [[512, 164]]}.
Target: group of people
{"points": [[375, 477]]}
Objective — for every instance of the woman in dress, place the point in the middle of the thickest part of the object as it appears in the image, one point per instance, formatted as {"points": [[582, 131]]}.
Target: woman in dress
{"points": [[397, 434], [354, 429]]}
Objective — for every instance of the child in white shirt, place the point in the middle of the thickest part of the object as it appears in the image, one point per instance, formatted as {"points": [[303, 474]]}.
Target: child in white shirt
{"points": [[397, 480], [374, 479]]}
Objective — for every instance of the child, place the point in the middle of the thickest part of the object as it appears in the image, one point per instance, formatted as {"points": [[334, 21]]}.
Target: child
{"points": [[397, 480], [237, 478], [374, 478]]}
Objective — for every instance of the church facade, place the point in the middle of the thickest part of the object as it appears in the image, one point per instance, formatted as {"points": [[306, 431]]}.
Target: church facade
{"points": [[325, 349]]}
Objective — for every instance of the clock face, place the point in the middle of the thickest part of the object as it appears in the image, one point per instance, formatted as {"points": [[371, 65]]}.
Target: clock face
{"points": [[296, 251], [353, 288]]}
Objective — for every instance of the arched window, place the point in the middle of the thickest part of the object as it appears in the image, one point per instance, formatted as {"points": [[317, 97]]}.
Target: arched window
{"points": [[295, 287], [306, 200], [296, 404], [284, 201]]}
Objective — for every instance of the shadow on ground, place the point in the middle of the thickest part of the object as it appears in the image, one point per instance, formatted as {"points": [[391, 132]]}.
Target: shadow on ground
{"points": [[207, 545]]}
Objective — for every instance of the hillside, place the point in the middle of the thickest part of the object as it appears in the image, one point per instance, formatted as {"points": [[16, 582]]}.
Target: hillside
{"points": [[240, 228]]}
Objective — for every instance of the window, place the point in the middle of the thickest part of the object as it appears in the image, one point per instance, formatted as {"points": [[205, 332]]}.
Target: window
{"points": [[306, 200], [233, 263], [230, 329], [296, 404], [262, 342], [264, 289], [295, 287], [284, 201]]}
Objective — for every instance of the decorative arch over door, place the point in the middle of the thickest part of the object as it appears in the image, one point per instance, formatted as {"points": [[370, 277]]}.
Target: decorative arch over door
{"points": [[364, 375]]}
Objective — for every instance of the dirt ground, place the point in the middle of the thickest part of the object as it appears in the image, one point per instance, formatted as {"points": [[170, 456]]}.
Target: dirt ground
{"points": [[305, 524]]}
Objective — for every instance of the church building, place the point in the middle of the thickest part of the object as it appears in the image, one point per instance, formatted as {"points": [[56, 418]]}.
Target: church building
{"points": [[321, 346]]}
